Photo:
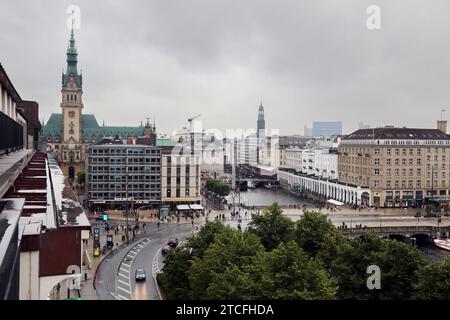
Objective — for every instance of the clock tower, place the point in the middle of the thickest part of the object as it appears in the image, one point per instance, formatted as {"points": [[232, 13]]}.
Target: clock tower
{"points": [[71, 154]]}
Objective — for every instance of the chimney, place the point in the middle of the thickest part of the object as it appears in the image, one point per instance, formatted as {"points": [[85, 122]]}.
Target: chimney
{"points": [[442, 126]]}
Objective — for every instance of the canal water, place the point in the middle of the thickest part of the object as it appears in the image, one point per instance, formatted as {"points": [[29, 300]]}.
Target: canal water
{"points": [[265, 197]]}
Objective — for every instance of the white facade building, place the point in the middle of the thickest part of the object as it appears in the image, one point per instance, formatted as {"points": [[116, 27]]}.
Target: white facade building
{"points": [[317, 162]]}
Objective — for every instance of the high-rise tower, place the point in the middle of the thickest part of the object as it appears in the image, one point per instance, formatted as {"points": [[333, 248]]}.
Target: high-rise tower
{"points": [[260, 134], [261, 123]]}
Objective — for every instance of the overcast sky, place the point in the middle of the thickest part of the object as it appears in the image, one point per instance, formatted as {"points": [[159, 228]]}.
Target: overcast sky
{"points": [[173, 59]]}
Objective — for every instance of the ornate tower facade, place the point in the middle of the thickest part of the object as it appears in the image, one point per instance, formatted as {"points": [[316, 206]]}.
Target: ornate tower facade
{"points": [[72, 151]]}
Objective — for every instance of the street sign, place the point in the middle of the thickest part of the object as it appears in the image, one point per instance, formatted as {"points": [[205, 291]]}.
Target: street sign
{"points": [[105, 217]]}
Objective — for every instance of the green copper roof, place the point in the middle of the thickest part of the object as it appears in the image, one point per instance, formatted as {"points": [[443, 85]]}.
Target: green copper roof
{"points": [[91, 131], [165, 142]]}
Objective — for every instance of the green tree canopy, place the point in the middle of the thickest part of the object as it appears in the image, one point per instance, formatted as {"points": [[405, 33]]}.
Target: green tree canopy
{"points": [[399, 264], [272, 227], [218, 187], [433, 281]]}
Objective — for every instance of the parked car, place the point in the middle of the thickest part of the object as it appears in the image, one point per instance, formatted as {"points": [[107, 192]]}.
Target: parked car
{"points": [[140, 274], [173, 242], [166, 249]]}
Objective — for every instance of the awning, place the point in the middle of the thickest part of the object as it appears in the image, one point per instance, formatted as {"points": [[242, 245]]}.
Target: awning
{"points": [[335, 202], [196, 207], [183, 207]]}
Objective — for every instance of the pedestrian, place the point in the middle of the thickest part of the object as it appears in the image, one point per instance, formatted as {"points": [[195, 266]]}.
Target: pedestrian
{"points": [[157, 224]]}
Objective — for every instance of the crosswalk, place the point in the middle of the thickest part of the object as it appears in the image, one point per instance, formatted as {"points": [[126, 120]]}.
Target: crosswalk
{"points": [[123, 280]]}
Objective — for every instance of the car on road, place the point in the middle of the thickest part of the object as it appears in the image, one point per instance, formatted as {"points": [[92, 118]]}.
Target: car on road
{"points": [[173, 242], [140, 274], [99, 218], [166, 249]]}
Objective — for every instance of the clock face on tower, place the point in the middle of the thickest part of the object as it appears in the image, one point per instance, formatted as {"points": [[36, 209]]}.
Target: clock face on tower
{"points": [[71, 114]]}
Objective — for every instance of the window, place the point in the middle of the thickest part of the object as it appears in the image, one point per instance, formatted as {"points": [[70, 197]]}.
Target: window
{"points": [[418, 162], [377, 151], [403, 162], [397, 152], [388, 171], [397, 162], [411, 172], [418, 184], [388, 152], [377, 161], [410, 152], [403, 172], [388, 184], [410, 184], [376, 171], [388, 162], [397, 172], [410, 162], [418, 152], [397, 184], [404, 152]]}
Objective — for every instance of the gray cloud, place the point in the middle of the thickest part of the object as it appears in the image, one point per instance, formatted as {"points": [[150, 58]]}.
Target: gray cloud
{"points": [[171, 59]]}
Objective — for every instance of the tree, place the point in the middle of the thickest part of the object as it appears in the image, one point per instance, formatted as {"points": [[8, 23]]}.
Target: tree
{"points": [[294, 275], [433, 281], [218, 187], [272, 227], [174, 279], [81, 178], [231, 248], [201, 241], [398, 262], [317, 236]]}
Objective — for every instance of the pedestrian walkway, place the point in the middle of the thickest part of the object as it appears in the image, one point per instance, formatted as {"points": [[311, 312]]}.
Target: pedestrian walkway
{"points": [[90, 264]]}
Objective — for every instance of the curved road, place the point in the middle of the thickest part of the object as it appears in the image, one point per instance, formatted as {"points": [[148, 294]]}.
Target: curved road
{"points": [[115, 276]]}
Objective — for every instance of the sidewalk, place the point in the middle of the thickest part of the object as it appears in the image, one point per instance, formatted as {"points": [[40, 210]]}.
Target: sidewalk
{"points": [[90, 265]]}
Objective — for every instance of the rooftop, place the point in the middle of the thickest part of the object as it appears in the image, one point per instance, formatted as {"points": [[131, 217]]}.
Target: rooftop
{"points": [[397, 133]]}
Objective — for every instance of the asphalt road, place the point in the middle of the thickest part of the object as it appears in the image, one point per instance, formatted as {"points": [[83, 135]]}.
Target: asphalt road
{"points": [[116, 275]]}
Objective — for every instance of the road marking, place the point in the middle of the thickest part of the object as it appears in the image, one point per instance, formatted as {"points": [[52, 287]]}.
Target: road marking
{"points": [[126, 283], [122, 297], [125, 290], [125, 266]]}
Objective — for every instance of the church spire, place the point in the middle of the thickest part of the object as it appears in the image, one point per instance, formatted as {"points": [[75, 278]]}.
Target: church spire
{"points": [[72, 60]]}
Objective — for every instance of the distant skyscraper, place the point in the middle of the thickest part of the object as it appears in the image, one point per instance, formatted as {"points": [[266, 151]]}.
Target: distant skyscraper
{"points": [[307, 132], [326, 129]]}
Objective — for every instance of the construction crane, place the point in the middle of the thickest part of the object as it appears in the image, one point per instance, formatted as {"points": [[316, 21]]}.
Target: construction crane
{"points": [[191, 119]]}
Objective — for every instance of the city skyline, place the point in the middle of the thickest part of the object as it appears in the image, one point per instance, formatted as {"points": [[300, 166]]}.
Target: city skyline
{"points": [[167, 62]]}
